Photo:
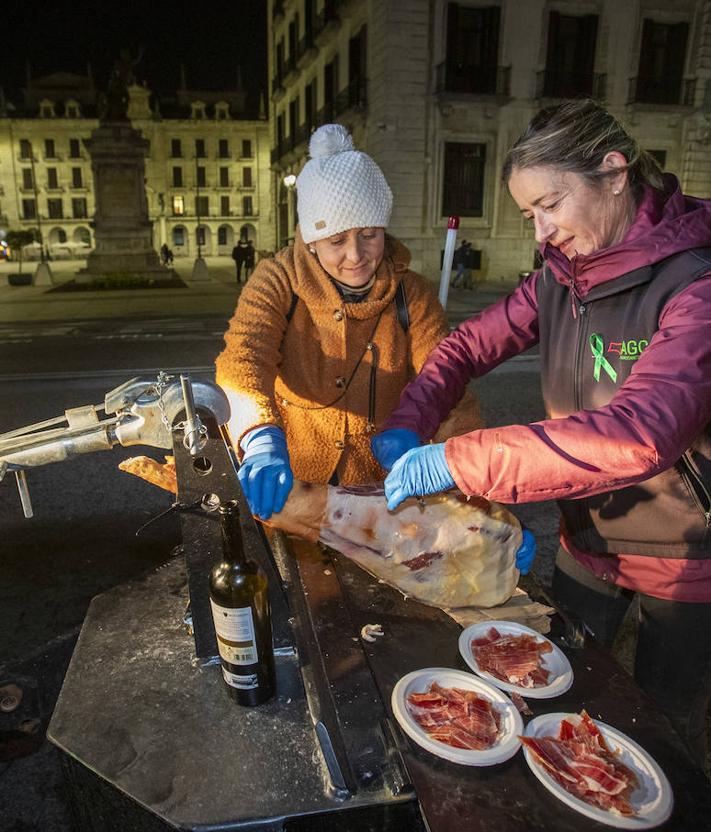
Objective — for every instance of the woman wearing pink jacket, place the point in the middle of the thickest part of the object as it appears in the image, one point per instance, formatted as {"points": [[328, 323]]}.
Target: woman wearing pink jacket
{"points": [[621, 311]]}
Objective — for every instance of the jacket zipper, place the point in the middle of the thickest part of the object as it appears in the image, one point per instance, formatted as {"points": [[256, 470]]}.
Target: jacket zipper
{"points": [[578, 359], [696, 485]]}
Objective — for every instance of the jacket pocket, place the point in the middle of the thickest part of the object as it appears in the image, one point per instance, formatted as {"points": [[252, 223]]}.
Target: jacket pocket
{"points": [[698, 488]]}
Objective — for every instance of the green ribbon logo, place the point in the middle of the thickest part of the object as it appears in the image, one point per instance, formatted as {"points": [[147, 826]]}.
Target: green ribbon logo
{"points": [[597, 346]]}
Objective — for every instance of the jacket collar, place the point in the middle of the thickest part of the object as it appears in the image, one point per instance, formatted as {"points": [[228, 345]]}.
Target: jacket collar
{"points": [[313, 285], [666, 222]]}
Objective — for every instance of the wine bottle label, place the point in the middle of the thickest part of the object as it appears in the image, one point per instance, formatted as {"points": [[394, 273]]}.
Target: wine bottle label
{"points": [[248, 681], [235, 635]]}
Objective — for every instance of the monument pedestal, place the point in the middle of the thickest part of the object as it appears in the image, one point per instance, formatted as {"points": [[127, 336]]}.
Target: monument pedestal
{"points": [[123, 233]]}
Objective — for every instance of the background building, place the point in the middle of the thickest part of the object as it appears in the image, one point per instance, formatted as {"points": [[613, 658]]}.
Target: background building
{"points": [[207, 169], [437, 91]]}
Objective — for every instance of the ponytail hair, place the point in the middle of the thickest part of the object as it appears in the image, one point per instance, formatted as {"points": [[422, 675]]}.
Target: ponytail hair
{"points": [[576, 136]]}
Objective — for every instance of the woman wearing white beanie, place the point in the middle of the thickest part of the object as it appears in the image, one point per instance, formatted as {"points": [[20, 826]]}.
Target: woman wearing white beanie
{"points": [[326, 335]]}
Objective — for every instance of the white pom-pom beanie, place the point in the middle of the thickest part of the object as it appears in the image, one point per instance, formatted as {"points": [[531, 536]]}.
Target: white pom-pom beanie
{"points": [[339, 187]]}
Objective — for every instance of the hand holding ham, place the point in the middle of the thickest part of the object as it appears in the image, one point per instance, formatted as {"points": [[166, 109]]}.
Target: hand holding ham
{"points": [[418, 472]]}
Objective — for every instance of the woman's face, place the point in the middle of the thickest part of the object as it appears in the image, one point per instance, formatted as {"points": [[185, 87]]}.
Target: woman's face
{"points": [[569, 213], [353, 256]]}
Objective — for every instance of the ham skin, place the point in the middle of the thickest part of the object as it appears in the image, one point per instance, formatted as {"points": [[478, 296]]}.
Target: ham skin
{"points": [[453, 554]]}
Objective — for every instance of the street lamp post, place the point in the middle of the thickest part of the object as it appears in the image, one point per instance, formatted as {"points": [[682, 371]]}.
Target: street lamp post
{"points": [[200, 271], [43, 273]]}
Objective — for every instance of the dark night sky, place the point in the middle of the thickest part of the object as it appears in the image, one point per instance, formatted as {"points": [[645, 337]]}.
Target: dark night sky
{"points": [[210, 38]]}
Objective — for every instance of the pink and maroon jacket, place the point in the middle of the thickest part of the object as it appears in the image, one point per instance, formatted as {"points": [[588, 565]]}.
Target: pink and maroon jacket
{"points": [[625, 343]]}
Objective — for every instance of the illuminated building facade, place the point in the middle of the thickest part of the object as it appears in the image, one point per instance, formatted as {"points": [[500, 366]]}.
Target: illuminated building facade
{"points": [[207, 168], [437, 91]]}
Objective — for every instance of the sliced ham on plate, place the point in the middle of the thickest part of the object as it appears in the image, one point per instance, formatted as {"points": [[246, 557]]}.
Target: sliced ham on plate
{"points": [[457, 717], [517, 659], [597, 770]]}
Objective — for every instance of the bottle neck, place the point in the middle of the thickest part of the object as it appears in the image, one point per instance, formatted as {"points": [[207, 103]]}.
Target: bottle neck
{"points": [[232, 542]]}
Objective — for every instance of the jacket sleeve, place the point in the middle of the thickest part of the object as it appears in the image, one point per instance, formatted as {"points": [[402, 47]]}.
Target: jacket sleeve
{"points": [[652, 419], [247, 367], [428, 326], [475, 347]]}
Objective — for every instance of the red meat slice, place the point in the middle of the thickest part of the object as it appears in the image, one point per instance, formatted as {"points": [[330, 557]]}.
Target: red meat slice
{"points": [[580, 760], [456, 717], [516, 659]]}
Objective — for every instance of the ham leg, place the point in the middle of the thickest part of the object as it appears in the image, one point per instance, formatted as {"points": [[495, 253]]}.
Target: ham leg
{"points": [[453, 554]]}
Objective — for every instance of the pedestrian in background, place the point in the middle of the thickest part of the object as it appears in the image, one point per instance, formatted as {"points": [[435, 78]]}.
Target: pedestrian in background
{"points": [[621, 311], [248, 260], [239, 253], [460, 256]]}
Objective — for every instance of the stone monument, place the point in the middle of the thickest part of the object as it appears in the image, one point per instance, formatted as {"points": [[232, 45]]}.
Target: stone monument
{"points": [[123, 233]]}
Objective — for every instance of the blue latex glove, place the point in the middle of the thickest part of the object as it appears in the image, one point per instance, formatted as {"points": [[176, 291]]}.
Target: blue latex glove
{"points": [[526, 552], [420, 471], [265, 474], [390, 445]]}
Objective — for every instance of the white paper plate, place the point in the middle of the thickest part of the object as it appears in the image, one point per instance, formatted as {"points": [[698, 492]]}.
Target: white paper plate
{"points": [[561, 673], [653, 800], [419, 681]]}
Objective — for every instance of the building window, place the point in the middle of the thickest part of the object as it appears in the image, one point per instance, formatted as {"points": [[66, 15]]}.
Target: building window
{"points": [[662, 56], [29, 209], [201, 177], [55, 210], [74, 149], [222, 111], [463, 185], [46, 109], [223, 146], [224, 177], [77, 180], [200, 235], [570, 57], [178, 206], [179, 236], [25, 149], [198, 110], [224, 206], [246, 148], [27, 180], [246, 177], [200, 148], [176, 150], [472, 49], [79, 209], [52, 181], [247, 206], [177, 177], [202, 206], [72, 111], [83, 236], [222, 236], [310, 104], [49, 149], [660, 157], [61, 235]]}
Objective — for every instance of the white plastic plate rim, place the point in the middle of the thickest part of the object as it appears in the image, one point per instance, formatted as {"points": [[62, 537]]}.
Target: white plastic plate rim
{"points": [[556, 662], [418, 681], [657, 800]]}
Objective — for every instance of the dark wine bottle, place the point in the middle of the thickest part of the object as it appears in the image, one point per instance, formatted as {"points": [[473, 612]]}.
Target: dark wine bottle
{"points": [[239, 597]]}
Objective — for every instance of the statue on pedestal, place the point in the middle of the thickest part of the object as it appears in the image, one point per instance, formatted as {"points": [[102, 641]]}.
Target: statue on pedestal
{"points": [[122, 75]]}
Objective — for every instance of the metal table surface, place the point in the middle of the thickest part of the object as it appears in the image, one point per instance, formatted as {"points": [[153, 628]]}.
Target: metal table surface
{"points": [[508, 796], [139, 713]]}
